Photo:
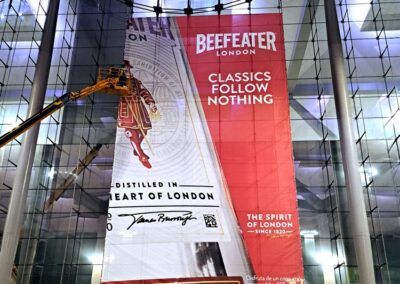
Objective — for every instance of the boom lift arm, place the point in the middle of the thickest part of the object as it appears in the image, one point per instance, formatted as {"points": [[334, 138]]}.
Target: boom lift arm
{"points": [[114, 81]]}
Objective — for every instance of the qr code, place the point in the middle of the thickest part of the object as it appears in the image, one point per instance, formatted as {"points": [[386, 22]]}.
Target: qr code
{"points": [[210, 220]]}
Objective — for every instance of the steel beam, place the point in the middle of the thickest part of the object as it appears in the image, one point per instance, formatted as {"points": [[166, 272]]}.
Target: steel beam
{"points": [[16, 209], [358, 223]]}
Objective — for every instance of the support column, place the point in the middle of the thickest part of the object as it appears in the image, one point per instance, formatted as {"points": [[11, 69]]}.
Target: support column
{"points": [[358, 223], [16, 208]]}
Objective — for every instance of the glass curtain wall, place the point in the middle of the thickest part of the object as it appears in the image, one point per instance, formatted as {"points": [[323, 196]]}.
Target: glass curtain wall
{"points": [[63, 235]]}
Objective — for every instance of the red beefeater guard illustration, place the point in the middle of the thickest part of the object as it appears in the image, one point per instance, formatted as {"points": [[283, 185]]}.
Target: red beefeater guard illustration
{"points": [[133, 115]]}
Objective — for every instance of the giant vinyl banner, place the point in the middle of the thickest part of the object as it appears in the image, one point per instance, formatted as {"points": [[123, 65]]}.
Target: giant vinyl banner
{"points": [[203, 187]]}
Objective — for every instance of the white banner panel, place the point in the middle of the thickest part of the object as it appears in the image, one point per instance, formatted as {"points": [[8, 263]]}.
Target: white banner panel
{"points": [[168, 200]]}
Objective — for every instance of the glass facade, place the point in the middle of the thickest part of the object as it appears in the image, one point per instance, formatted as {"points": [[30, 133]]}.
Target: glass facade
{"points": [[62, 239]]}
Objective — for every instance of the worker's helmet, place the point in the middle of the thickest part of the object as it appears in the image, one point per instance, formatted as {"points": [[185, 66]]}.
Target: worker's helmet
{"points": [[127, 64]]}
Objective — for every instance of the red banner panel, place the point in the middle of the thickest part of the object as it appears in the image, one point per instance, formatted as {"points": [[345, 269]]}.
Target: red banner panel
{"points": [[238, 64]]}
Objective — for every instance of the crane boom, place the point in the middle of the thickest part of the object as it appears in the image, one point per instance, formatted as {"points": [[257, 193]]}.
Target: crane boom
{"points": [[114, 82]]}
